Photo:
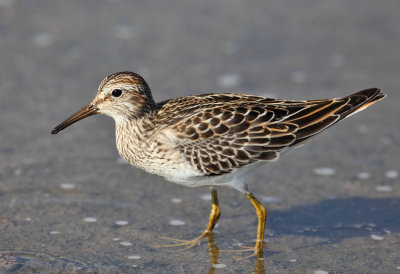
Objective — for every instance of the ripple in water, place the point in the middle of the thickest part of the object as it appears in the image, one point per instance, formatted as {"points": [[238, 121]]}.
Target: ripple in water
{"points": [[26, 261]]}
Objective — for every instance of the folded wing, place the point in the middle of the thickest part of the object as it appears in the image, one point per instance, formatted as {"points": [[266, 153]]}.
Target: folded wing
{"points": [[227, 131]]}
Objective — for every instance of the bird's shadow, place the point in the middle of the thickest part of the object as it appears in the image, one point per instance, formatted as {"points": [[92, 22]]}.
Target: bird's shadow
{"points": [[338, 219], [333, 220]]}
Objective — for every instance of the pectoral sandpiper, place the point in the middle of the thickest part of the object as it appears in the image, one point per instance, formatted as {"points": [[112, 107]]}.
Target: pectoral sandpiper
{"points": [[211, 139]]}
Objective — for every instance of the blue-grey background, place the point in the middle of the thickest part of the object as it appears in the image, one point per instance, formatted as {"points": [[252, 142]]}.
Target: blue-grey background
{"points": [[53, 55]]}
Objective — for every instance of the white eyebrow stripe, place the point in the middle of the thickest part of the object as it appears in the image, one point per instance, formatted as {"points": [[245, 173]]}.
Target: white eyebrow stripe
{"points": [[127, 86], [122, 87]]}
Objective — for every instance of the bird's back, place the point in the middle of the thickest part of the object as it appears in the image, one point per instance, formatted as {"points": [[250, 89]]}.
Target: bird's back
{"points": [[219, 133]]}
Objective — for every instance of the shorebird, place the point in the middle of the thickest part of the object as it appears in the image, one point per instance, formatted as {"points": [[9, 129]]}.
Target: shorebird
{"points": [[211, 139]]}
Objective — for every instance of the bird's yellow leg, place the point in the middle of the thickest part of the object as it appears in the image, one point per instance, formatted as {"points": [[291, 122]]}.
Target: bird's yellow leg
{"points": [[262, 217], [213, 219]]}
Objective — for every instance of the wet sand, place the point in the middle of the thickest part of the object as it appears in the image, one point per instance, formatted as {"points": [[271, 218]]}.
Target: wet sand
{"points": [[68, 202]]}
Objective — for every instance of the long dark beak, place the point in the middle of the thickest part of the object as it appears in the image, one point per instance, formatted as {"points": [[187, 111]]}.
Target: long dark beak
{"points": [[84, 112]]}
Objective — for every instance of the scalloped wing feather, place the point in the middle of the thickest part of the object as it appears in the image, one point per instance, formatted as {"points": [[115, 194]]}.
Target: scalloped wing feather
{"points": [[219, 133]]}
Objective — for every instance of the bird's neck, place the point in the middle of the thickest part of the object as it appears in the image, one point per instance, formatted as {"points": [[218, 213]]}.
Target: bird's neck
{"points": [[133, 137]]}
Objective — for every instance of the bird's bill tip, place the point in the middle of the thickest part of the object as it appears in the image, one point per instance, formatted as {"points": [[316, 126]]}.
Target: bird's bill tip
{"points": [[84, 112]]}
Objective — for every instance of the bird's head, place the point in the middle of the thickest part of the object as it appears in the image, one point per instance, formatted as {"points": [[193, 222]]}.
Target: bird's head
{"points": [[122, 96]]}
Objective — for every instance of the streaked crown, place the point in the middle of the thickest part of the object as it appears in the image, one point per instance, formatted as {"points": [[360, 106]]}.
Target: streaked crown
{"points": [[124, 95]]}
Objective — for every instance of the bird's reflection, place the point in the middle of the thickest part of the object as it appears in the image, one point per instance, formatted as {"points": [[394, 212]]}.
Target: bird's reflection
{"points": [[214, 255]]}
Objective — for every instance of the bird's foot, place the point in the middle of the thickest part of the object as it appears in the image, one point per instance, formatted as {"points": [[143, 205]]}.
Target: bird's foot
{"points": [[185, 244], [258, 251]]}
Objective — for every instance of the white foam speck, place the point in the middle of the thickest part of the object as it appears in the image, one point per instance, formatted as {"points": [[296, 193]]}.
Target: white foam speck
{"points": [[383, 188], [134, 257], [271, 199], [206, 197], [299, 77], [398, 267], [54, 232], [228, 80], [293, 260], [324, 171], [392, 174], [176, 222], [67, 186], [125, 243], [376, 237], [235, 204], [363, 175], [90, 219], [6, 3], [123, 32], [134, 265], [121, 222], [321, 272], [43, 39], [219, 265], [336, 61], [176, 200], [115, 239]]}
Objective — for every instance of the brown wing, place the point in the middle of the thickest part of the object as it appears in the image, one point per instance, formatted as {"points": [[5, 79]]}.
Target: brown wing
{"points": [[175, 110], [226, 131], [321, 114]]}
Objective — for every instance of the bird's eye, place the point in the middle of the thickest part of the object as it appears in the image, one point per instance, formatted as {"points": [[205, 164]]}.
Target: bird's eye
{"points": [[116, 92]]}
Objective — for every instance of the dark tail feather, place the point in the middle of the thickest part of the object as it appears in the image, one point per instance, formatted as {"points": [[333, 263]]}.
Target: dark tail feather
{"points": [[338, 109], [359, 101]]}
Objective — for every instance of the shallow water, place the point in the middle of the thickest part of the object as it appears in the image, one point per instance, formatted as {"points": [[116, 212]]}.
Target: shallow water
{"points": [[114, 225], [69, 204]]}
